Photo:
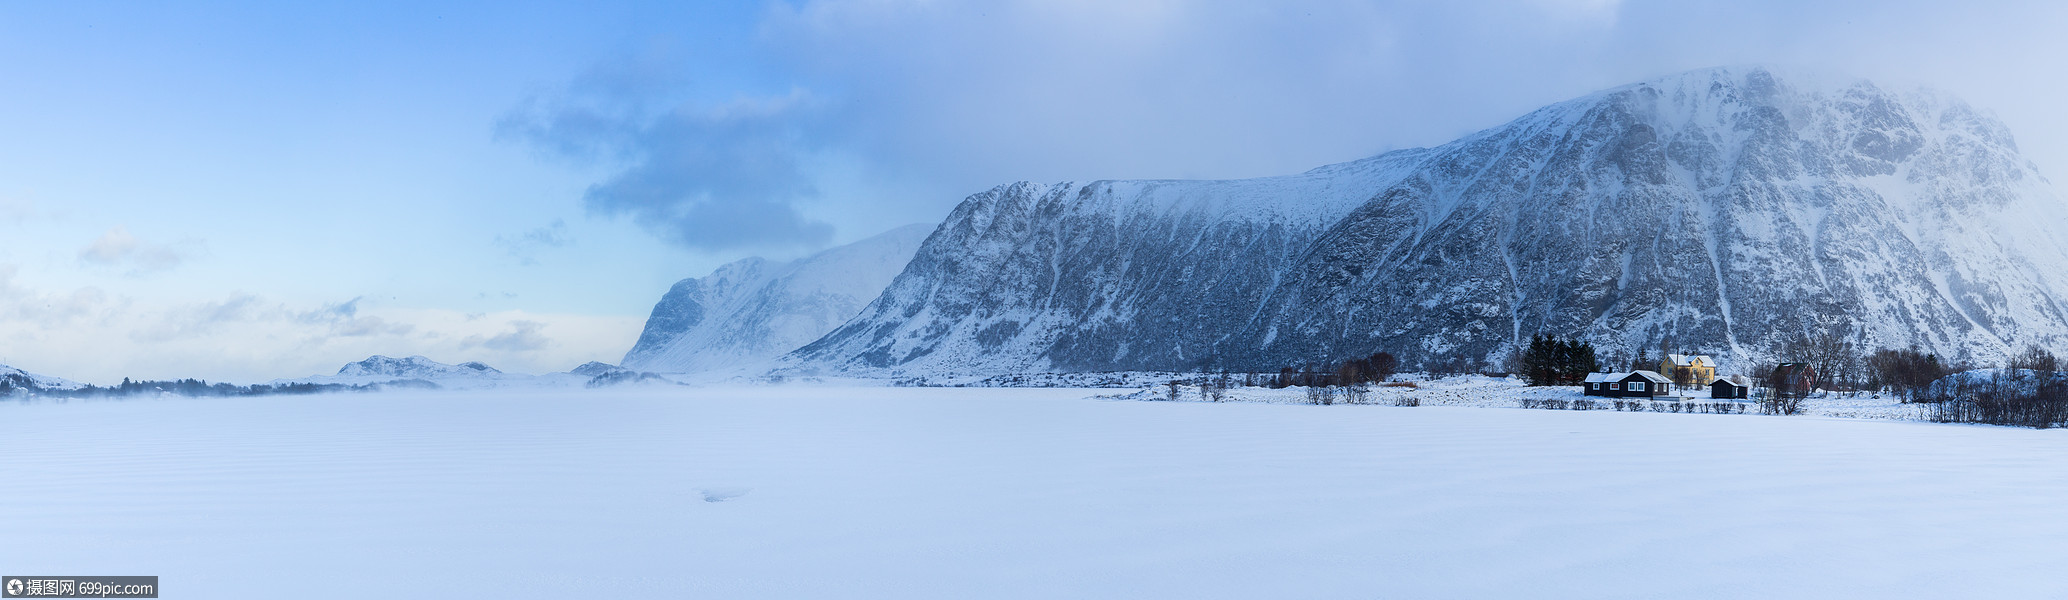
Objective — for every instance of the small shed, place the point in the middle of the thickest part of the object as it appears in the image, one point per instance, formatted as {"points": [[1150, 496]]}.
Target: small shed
{"points": [[1725, 388], [1597, 383], [1638, 384]]}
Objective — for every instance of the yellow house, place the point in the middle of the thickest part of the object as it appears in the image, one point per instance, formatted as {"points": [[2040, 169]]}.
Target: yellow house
{"points": [[1689, 369]]}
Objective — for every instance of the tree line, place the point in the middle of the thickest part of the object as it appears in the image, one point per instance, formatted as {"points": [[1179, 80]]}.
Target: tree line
{"points": [[196, 388], [1550, 360]]}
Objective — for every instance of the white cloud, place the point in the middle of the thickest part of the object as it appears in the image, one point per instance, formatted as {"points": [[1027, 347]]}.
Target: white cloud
{"points": [[118, 248], [523, 336], [526, 247], [90, 335], [18, 210]]}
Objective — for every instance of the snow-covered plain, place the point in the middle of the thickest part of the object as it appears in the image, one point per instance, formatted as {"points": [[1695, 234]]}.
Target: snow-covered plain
{"points": [[816, 492]]}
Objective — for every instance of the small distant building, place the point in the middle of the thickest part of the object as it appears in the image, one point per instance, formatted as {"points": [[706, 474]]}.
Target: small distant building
{"points": [[1727, 389], [1793, 379], [1637, 384], [1597, 383], [1688, 369]]}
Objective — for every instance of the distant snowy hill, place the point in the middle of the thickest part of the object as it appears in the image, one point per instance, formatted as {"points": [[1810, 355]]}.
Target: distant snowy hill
{"points": [[418, 370], [594, 368], [1724, 209], [13, 378], [753, 310], [417, 367]]}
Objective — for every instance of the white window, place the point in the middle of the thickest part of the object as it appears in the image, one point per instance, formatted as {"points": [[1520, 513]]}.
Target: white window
{"points": [[1615, 386], [1637, 386], [1594, 386]]}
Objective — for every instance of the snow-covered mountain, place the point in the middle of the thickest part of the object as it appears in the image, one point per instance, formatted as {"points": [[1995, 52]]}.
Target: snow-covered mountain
{"points": [[417, 367], [421, 371], [753, 310], [13, 379], [1724, 210], [594, 368]]}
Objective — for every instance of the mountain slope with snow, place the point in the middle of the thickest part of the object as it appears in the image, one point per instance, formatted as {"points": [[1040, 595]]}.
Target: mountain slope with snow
{"points": [[417, 367], [1723, 210], [418, 371], [753, 310], [12, 378]]}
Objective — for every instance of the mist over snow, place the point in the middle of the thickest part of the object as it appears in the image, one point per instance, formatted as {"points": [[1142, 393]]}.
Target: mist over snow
{"points": [[743, 316], [93, 336]]}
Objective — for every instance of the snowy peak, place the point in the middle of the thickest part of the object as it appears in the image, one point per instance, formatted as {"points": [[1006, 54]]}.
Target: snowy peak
{"points": [[416, 367], [750, 311], [594, 368], [1721, 211], [16, 379]]}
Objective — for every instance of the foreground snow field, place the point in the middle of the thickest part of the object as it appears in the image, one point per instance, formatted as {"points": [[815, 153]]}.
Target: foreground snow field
{"points": [[1033, 493]]}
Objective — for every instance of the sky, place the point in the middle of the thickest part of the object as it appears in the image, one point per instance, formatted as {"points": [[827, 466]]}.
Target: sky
{"points": [[248, 191]]}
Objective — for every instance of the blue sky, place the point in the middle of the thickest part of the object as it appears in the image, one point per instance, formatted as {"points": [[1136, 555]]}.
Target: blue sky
{"points": [[246, 191]]}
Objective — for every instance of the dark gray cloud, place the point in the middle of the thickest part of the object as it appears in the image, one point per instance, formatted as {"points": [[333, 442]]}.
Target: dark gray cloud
{"points": [[702, 175]]}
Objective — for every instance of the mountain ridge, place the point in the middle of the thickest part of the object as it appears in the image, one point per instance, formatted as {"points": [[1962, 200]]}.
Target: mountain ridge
{"points": [[752, 310], [1720, 210]]}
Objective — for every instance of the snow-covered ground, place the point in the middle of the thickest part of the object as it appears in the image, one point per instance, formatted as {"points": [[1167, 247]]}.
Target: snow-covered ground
{"points": [[884, 492]]}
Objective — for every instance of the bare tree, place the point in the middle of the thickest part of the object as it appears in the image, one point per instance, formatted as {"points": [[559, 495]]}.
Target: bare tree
{"points": [[1906, 373], [1830, 350], [2035, 358]]}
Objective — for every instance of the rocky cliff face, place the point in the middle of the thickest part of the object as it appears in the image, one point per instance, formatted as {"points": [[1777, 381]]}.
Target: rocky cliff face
{"points": [[1724, 210], [753, 310]]}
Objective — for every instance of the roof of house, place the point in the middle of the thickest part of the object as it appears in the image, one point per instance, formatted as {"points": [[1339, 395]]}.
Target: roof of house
{"points": [[1653, 376], [1726, 380], [1688, 360], [1601, 377], [1786, 369]]}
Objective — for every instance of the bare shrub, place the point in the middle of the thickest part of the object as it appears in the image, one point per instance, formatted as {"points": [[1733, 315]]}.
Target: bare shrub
{"points": [[1323, 395], [1780, 404], [1214, 388], [1905, 373], [1407, 401], [2020, 397]]}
